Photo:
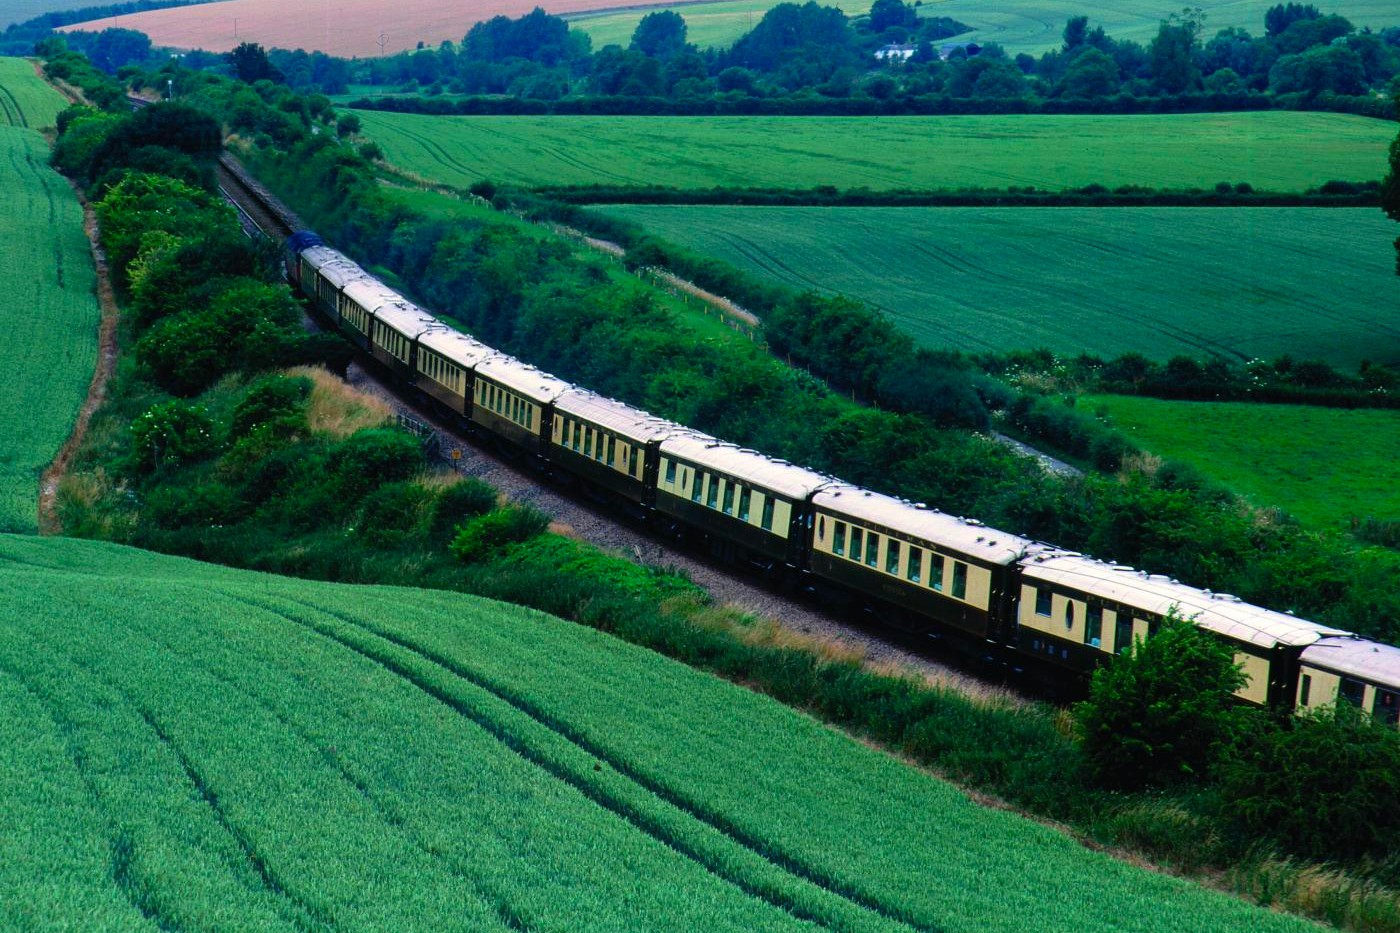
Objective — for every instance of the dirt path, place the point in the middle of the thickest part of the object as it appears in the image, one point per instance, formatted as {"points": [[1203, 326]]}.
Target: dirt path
{"points": [[97, 389]]}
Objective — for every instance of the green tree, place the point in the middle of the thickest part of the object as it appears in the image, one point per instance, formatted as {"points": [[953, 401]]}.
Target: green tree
{"points": [[660, 34], [1323, 68], [1092, 74], [250, 63], [1173, 52], [1323, 786], [1164, 713]]}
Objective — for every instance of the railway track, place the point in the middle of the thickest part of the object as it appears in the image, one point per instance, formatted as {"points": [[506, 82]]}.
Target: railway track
{"points": [[798, 613]]}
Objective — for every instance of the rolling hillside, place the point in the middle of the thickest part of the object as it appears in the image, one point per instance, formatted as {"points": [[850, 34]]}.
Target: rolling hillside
{"points": [[1273, 151], [347, 28], [50, 315], [1238, 282], [352, 27], [186, 748]]}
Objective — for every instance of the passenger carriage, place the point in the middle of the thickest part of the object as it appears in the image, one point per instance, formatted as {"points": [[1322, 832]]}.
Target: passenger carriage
{"points": [[608, 443], [356, 304], [512, 400], [394, 328], [1347, 669], [752, 506], [445, 367], [932, 567], [1076, 612]]}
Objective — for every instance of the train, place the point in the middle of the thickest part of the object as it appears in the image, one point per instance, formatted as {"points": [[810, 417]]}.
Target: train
{"points": [[1012, 599]]}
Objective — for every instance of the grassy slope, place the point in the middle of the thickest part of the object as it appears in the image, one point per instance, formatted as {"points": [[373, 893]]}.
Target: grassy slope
{"points": [[25, 99], [1272, 151], [1018, 25], [707, 24], [1324, 466], [1245, 282], [193, 753], [706, 323], [49, 316]]}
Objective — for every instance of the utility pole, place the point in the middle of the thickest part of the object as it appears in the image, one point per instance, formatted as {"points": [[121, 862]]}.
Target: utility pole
{"points": [[382, 39]]}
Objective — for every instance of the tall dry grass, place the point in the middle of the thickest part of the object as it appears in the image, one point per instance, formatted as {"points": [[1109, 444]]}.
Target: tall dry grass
{"points": [[337, 408]]}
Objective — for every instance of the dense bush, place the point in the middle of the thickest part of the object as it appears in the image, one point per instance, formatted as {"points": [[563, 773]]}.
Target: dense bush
{"points": [[170, 435], [486, 536], [1322, 786], [459, 502], [1163, 713]]}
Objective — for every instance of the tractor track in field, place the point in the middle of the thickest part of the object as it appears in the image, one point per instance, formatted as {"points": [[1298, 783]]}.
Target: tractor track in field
{"points": [[383, 655]]}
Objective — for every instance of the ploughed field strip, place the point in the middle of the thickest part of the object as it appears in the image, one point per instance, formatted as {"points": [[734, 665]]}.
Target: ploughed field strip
{"points": [[192, 747], [50, 314], [1273, 151], [1234, 282]]}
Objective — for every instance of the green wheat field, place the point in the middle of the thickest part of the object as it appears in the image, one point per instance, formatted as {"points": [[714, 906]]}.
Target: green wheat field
{"points": [[50, 314], [1324, 466], [1234, 282], [1274, 151], [195, 748]]}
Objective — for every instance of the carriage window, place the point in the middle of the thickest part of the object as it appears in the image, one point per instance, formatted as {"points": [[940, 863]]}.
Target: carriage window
{"points": [[712, 494], [670, 472], [959, 580], [1042, 601], [821, 527], [1305, 690], [857, 542], [1123, 634], [744, 497], [838, 545], [697, 484], [872, 549], [935, 571], [916, 563], [892, 557], [1069, 614], [1152, 626], [612, 445], [1353, 691], [1093, 625], [767, 519], [1386, 708], [728, 507], [588, 443]]}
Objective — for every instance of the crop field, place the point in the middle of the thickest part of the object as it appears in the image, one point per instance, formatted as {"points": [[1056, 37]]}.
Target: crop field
{"points": [[1273, 151], [50, 314], [1035, 26], [1237, 282], [1324, 466], [1032, 26], [348, 28], [708, 24], [184, 747], [25, 99]]}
